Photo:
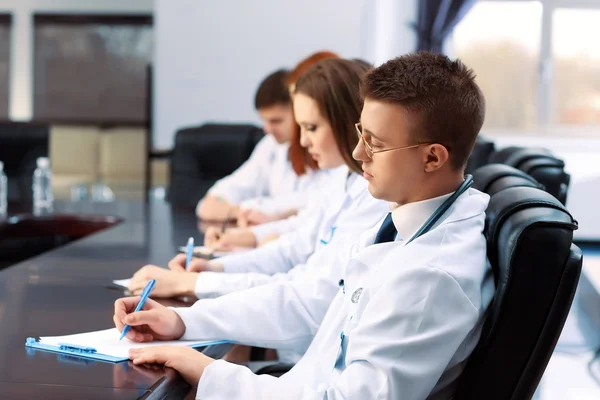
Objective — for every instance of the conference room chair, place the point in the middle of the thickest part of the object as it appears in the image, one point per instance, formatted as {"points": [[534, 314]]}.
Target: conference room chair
{"points": [[541, 165], [480, 155], [20, 146], [536, 269], [493, 178], [204, 154], [502, 155]]}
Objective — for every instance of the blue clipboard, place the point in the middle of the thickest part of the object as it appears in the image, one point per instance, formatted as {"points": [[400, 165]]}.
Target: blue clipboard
{"points": [[90, 352], [72, 350]]}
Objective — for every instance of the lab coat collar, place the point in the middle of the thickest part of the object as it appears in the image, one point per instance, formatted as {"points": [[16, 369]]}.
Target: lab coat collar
{"points": [[356, 185], [353, 184], [408, 218]]}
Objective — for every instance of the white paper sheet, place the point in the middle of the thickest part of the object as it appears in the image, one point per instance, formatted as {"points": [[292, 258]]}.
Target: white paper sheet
{"points": [[122, 282], [208, 251], [107, 342]]}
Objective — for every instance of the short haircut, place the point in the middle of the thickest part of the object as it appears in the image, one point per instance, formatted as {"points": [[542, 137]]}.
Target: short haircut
{"points": [[440, 95], [334, 84], [273, 91]]}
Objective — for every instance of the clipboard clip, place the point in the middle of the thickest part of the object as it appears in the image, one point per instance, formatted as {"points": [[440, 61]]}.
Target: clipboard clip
{"points": [[76, 349], [71, 350]]}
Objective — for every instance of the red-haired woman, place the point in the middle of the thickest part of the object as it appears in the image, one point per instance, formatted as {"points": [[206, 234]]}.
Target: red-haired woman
{"points": [[258, 224]]}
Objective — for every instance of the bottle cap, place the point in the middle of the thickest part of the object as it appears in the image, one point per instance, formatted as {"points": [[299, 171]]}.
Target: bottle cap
{"points": [[43, 162]]}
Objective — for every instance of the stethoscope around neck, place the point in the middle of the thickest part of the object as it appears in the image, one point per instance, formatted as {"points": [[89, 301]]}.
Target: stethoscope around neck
{"points": [[437, 214], [441, 210], [340, 362]]}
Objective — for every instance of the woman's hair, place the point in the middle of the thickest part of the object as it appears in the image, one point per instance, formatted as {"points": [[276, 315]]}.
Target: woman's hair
{"points": [[335, 86], [362, 62], [298, 155]]}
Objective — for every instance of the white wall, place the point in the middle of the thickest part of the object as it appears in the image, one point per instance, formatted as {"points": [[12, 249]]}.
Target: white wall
{"points": [[210, 56], [390, 29], [21, 72]]}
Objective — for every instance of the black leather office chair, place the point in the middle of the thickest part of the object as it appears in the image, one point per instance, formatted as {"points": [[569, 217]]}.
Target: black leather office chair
{"points": [[550, 172], [204, 154], [541, 165], [493, 178], [536, 269], [500, 156], [480, 155], [20, 146]]}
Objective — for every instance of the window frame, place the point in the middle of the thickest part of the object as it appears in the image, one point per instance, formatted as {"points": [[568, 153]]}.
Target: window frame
{"points": [[545, 125], [7, 18], [78, 19]]}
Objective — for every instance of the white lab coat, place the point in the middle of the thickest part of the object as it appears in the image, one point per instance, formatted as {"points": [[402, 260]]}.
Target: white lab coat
{"points": [[347, 209], [406, 337], [266, 181], [315, 194]]}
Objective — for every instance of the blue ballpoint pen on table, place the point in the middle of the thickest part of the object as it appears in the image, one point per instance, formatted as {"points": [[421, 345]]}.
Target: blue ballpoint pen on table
{"points": [[145, 295], [189, 252]]}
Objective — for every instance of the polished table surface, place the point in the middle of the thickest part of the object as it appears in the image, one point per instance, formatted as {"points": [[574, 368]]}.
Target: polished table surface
{"points": [[69, 290]]}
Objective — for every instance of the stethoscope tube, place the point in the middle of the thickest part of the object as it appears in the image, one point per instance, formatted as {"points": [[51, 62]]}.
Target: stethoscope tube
{"points": [[441, 210]]}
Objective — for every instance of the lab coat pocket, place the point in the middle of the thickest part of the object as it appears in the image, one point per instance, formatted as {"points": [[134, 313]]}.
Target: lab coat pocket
{"points": [[354, 310], [358, 300], [351, 319]]}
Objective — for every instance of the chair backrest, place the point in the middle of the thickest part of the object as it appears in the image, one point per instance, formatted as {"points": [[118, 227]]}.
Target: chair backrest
{"points": [[500, 156], [20, 146], [493, 178], [541, 165], [480, 155], [536, 268], [205, 154], [550, 172]]}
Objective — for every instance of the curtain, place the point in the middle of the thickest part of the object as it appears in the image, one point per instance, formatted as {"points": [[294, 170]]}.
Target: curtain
{"points": [[436, 19]]}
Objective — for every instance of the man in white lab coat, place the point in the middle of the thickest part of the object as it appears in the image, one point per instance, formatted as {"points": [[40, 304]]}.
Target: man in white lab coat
{"points": [[411, 301], [266, 182]]}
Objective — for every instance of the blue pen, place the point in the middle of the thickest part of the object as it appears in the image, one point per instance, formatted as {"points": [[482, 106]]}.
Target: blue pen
{"points": [[145, 295], [190, 252], [323, 241]]}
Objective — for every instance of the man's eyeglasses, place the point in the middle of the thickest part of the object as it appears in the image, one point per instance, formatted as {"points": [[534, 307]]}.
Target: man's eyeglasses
{"points": [[369, 150]]}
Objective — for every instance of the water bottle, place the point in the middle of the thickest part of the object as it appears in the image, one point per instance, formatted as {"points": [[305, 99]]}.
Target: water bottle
{"points": [[42, 186], [3, 191]]}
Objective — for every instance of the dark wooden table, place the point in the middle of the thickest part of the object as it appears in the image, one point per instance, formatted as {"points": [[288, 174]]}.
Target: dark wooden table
{"points": [[69, 290]]}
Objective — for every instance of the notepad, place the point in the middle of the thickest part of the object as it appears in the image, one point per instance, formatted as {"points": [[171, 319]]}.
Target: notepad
{"points": [[204, 252], [122, 282], [103, 345]]}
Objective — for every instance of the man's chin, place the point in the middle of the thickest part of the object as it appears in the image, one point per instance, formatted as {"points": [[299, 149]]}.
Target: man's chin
{"points": [[373, 190], [280, 140]]}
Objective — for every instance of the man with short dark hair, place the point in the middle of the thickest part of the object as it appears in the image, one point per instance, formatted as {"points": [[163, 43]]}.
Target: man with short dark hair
{"points": [[267, 173], [413, 290], [272, 101]]}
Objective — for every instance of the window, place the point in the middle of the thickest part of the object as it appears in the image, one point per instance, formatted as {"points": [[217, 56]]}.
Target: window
{"points": [[505, 60], [576, 61], [537, 62], [5, 30], [91, 69]]}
